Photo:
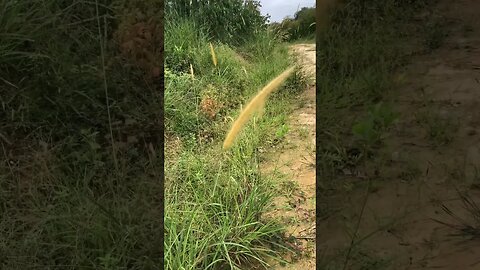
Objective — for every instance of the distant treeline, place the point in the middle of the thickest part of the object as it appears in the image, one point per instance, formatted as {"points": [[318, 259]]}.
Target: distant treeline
{"points": [[302, 25]]}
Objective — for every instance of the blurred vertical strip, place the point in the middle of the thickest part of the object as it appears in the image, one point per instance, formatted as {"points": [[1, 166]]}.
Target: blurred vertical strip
{"points": [[323, 9]]}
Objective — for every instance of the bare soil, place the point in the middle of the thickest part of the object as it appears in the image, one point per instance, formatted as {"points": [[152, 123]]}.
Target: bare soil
{"points": [[294, 158], [397, 198]]}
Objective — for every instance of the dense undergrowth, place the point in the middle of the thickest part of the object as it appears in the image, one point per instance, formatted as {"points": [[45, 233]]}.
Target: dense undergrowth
{"points": [[80, 134], [300, 28], [215, 199]]}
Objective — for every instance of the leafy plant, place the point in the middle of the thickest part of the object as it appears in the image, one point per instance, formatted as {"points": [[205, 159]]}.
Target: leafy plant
{"points": [[302, 25], [371, 129], [282, 131]]}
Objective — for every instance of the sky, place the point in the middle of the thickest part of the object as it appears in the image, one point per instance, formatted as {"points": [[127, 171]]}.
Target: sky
{"points": [[279, 9]]}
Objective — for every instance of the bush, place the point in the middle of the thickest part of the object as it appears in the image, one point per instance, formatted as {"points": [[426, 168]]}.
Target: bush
{"points": [[229, 21], [302, 25]]}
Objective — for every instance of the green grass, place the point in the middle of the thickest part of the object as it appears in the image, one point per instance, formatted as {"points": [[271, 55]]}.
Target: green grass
{"points": [[80, 176], [357, 55], [440, 129], [215, 200]]}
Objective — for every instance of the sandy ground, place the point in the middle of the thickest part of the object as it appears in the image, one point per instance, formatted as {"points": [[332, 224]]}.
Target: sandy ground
{"points": [[295, 158], [415, 175]]}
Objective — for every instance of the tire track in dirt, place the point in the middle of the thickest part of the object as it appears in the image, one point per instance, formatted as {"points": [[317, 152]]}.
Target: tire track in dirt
{"points": [[295, 158]]}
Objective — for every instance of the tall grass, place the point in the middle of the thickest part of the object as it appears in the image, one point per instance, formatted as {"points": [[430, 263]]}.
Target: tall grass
{"points": [[228, 21], [215, 201], [257, 104], [64, 202]]}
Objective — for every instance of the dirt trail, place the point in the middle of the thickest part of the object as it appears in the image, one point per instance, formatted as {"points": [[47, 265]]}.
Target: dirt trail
{"points": [[295, 159], [433, 148]]}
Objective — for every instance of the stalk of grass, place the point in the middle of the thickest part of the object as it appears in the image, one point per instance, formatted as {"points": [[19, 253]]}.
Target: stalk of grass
{"points": [[464, 226], [255, 105], [214, 57], [191, 71], [105, 86]]}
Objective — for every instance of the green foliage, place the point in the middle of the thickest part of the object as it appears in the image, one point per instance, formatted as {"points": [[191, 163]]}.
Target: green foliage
{"points": [[379, 119], [77, 206], [212, 212], [261, 45], [359, 50], [229, 21], [179, 89], [184, 41], [282, 131], [302, 25], [215, 201], [440, 129]]}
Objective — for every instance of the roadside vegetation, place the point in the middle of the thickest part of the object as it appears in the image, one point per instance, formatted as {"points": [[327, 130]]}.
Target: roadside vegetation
{"points": [[364, 43], [300, 28], [216, 200], [80, 134], [360, 46]]}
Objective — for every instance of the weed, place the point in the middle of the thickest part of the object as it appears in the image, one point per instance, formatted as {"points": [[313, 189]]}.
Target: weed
{"points": [[440, 129], [214, 57], [257, 103], [358, 54], [303, 132], [215, 200], [371, 129], [288, 188], [468, 226], [281, 132], [83, 120]]}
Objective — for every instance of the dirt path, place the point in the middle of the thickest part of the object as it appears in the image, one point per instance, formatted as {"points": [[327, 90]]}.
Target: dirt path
{"points": [[295, 160], [433, 149]]}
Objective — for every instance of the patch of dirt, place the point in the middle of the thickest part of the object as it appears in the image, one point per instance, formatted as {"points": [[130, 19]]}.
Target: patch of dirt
{"points": [[433, 149], [295, 159], [307, 59]]}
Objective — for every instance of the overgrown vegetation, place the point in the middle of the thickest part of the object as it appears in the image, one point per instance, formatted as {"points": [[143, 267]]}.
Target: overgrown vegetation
{"points": [[215, 200], [357, 55], [300, 27], [80, 134]]}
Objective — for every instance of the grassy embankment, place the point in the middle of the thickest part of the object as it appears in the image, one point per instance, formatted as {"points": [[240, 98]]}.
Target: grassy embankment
{"points": [[80, 130], [215, 199]]}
